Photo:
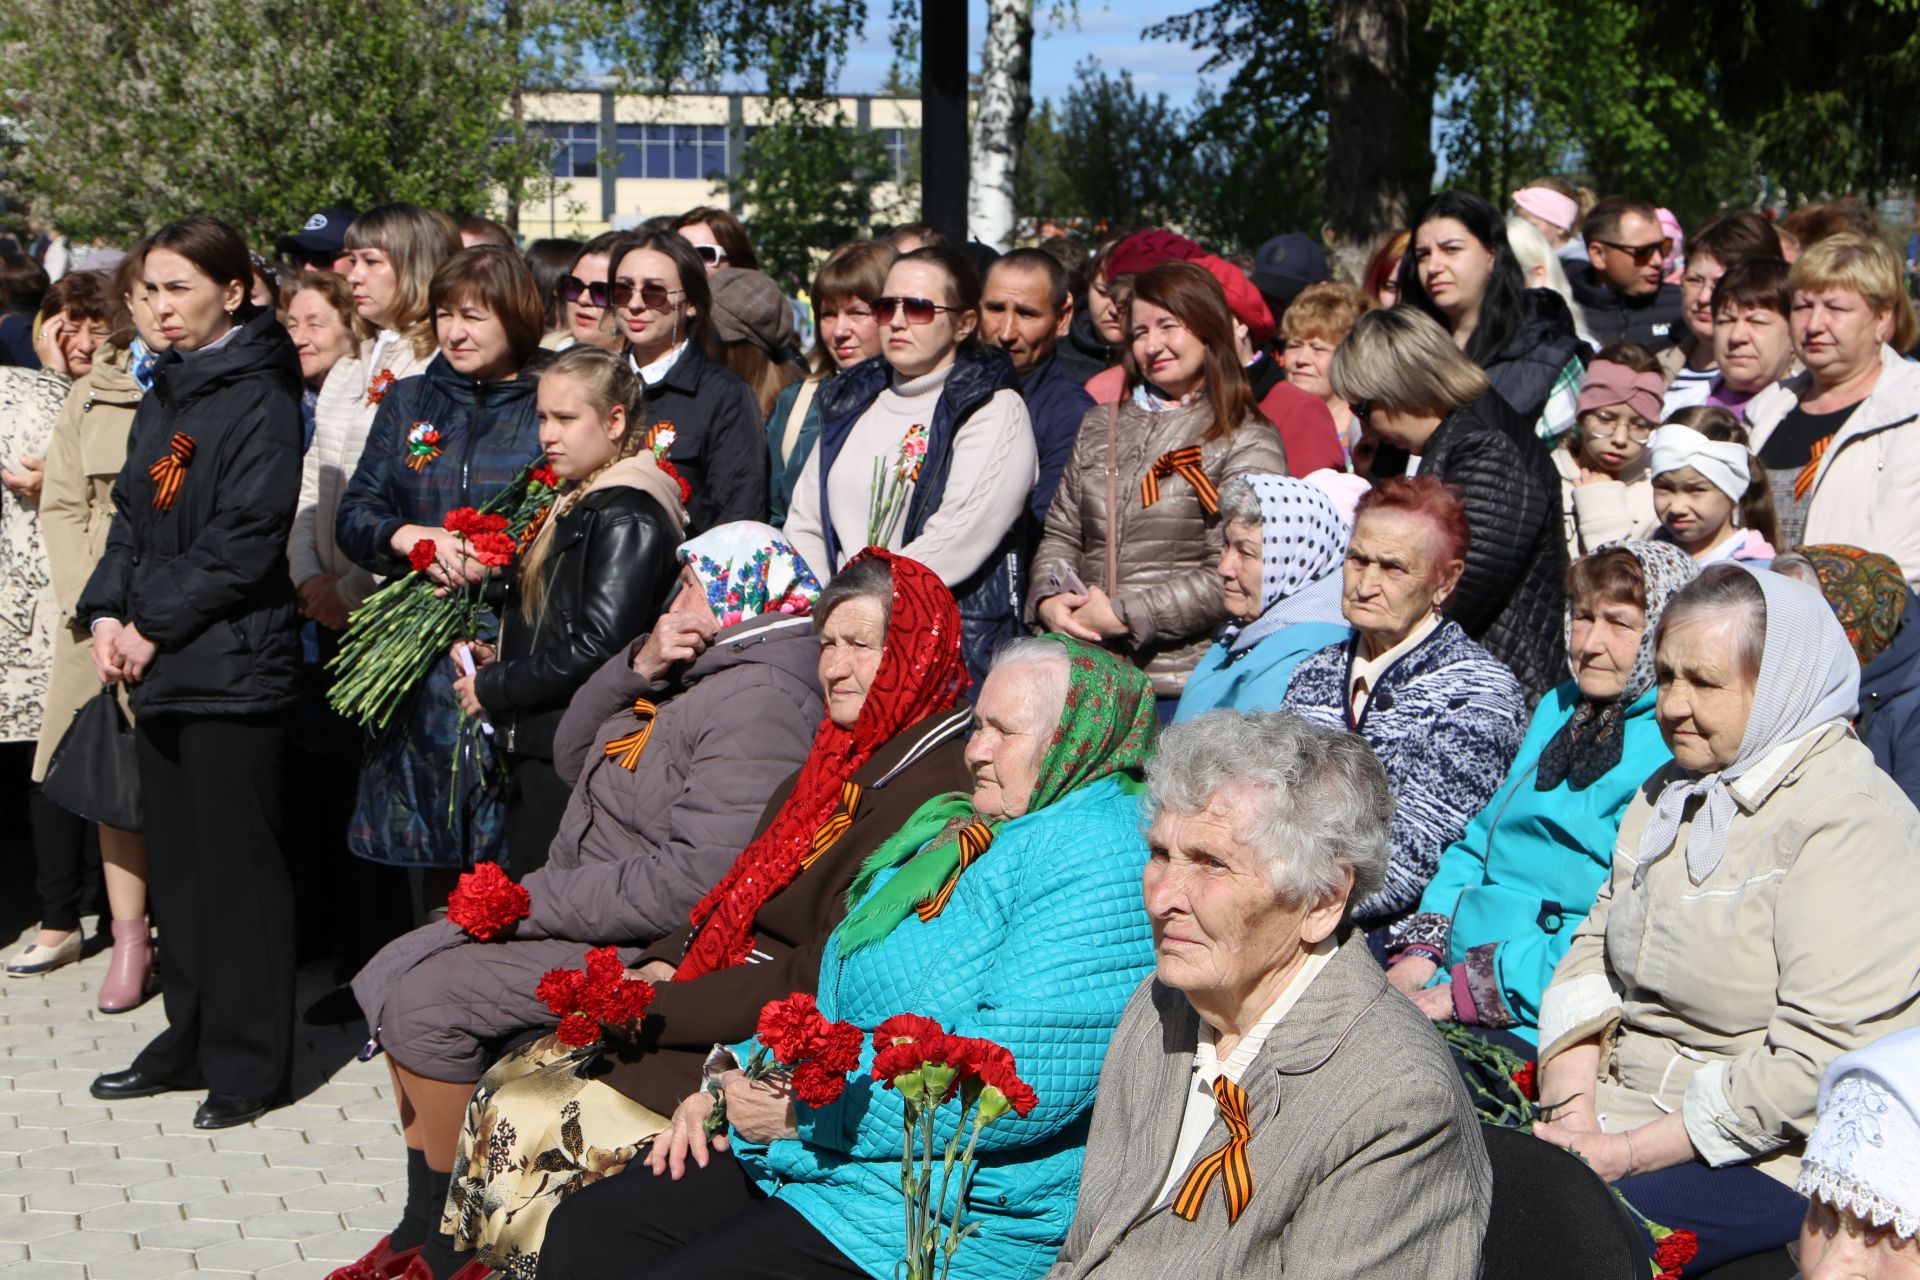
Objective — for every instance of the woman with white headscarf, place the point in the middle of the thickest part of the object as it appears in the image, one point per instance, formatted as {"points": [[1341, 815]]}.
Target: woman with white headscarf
{"points": [[1722, 967], [1861, 1174], [1280, 570]]}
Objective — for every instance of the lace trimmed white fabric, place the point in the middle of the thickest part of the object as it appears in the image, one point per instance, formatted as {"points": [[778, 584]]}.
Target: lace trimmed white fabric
{"points": [[1864, 1155]]}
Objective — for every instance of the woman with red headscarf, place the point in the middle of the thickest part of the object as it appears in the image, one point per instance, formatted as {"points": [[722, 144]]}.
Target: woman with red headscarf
{"points": [[541, 1125]]}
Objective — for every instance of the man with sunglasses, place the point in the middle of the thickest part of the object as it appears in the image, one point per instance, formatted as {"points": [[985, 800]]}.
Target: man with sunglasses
{"points": [[1621, 289]]}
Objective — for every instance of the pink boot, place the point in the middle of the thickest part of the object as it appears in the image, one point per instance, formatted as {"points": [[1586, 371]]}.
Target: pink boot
{"points": [[125, 985]]}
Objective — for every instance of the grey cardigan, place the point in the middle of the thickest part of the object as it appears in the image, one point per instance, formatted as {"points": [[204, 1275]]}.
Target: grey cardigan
{"points": [[1367, 1159]]}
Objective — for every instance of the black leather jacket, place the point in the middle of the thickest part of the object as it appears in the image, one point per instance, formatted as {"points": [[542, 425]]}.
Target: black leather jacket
{"points": [[611, 564]]}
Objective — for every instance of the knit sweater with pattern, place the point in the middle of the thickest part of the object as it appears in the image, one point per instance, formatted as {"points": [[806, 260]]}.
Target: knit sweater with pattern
{"points": [[995, 466]]}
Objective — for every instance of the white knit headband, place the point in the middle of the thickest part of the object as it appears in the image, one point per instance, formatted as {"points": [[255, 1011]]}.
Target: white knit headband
{"points": [[1722, 462]]}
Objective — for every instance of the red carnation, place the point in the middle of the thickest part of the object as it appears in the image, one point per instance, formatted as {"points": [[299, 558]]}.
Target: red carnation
{"points": [[577, 1031], [791, 1028], [839, 1049], [484, 902], [906, 1028], [686, 490], [559, 990], [460, 520], [993, 1066], [543, 475], [1674, 1251], [1524, 1081], [422, 555], [603, 966], [896, 1060], [817, 1084], [493, 549]]}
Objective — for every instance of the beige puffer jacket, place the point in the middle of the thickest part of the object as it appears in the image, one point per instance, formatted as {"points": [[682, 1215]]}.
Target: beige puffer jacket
{"points": [[1163, 582]]}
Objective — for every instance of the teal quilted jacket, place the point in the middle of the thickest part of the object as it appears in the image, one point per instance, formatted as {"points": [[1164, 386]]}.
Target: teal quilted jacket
{"points": [[1039, 948]]}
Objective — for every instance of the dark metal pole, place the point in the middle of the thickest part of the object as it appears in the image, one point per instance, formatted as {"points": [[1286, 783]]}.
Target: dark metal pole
{"points": [[943, 116]]}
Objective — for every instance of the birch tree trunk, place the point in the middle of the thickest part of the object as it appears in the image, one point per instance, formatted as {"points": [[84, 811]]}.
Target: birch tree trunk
{"points": [[1000, 123]]}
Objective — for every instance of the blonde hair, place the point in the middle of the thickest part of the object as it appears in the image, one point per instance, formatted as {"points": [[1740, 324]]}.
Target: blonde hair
{"points": [[1325, 311], [1867, 266], [1401, 358], [605, 381], [416, 241]]}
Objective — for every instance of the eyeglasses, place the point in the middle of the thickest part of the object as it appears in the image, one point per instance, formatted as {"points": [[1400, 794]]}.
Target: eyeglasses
{"points": [[711, 254], [572, 288], [1607, 424], [917, 310], [654, 297], [1641, 254]]}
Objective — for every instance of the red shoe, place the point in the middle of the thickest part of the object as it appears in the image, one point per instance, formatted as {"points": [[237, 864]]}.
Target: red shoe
{"points": [[385, 1264]]}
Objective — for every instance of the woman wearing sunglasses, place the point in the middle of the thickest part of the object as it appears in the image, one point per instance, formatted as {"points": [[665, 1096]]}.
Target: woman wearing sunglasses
{"points": [[1134, 534], [718, 238], [927, 451], [700, 415], [1460, 270], [582, 294]]}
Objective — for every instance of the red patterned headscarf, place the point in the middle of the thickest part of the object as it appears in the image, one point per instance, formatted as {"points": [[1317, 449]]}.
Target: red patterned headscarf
{"points": [[921, 672]]}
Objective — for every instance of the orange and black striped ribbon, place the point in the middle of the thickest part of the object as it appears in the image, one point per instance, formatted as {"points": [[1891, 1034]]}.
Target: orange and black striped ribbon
{"points": [[975, 837], [833, 828], [1182, 462], [170, 471], [1229, 1163], [625, 752], [1803, 483]]}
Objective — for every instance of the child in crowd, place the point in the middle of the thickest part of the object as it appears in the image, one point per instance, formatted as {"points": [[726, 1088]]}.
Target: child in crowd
{"points": [[1710, 492], [1605, 490]]}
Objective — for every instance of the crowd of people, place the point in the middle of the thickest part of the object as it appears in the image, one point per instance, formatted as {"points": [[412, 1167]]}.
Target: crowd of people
{"points": [[1254, 700]]}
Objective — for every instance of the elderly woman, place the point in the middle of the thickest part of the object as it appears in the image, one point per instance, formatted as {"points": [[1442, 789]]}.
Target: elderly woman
{"points": [[643, 840], [1262, 1035], [1502, 907], [1285, 542], [1034, 944], [1444, 717], [1312, 329], [1860, 1176], [1881, 617], [1841, 441], [1606, 493], [1414, 389], [1722, 967], [1133, 533]]}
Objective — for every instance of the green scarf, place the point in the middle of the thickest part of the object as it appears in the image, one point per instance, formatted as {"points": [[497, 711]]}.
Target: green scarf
{"points": [[1107, 728]]}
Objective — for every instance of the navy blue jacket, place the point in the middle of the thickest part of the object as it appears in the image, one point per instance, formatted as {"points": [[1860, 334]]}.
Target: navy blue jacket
{"points": [[1889, 720], [1057, 404], [990, 599]]}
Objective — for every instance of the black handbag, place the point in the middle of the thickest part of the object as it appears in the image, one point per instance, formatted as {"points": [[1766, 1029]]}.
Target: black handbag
{"points": [[93, 773]]}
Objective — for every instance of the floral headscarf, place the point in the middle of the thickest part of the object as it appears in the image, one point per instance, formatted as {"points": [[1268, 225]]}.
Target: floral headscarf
{"points": [[1867, 591], [748, 569], [1107, 727], [1588, 745]]}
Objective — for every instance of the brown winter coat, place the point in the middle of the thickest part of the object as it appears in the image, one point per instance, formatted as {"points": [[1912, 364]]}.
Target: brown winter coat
{"points": [[688, 1018], [1164, 586]]}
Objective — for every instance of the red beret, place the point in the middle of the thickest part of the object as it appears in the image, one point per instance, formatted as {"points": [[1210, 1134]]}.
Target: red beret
{"points": [[1145, 249]]}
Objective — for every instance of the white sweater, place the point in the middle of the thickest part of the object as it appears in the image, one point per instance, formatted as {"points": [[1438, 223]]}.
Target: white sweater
{"points": [[341, 419], [995, 466]]}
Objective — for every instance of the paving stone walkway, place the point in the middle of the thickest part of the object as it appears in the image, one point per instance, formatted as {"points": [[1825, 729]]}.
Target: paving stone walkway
{"points": [[127, 1191]]}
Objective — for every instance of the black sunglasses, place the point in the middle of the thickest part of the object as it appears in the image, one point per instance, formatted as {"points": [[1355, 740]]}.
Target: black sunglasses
{"points": [[917, 310], [572, 287], [1361, 410], [654, 297], [1641, 254]]}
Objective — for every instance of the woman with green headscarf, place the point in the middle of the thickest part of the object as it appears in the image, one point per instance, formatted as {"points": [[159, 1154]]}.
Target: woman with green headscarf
{"points": [[1010, 913], [1881, 616]]}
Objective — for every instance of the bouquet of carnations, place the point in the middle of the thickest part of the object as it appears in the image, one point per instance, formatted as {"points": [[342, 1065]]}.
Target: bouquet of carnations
{"points": [[588, 1001], [408, 624], [798, 1043]]}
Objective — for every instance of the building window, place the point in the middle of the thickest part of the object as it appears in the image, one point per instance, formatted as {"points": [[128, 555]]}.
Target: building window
{"points": [[576, 149], [673, 151], [899, 145]]}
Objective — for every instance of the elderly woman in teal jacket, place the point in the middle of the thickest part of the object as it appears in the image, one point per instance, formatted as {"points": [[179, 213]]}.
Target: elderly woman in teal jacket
{"points": [[1502, 907], [1034, 942], [1283, 545]]}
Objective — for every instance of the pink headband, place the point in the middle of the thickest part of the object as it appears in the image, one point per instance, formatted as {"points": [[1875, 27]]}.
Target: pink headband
{"points": [[1560, 210], [1609, 384]]}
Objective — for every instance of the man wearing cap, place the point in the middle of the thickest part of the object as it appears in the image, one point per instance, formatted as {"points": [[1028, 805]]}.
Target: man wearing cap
{"points": [[1306, 427], [1025, 309], [1281, 269], [320, 245], [1284, 266]]}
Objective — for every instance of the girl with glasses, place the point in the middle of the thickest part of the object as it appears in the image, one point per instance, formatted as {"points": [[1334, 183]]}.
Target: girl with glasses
{"points": [[1606, 494], [927, 451], [702, 416]]}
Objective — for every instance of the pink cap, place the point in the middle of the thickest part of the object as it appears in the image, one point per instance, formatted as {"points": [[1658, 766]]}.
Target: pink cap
{"points": [[1548, 205]]}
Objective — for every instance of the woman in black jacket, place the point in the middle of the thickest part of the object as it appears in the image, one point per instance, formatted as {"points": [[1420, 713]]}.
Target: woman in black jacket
{"points": [[697, 413], [1412, 388], [1460, 270], [192, 605], [592, 580]]}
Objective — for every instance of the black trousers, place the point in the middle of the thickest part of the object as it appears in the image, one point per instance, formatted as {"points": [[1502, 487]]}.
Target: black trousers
{"points": [[711, 1224], [218, 876], [59, 860], [536, 801]]}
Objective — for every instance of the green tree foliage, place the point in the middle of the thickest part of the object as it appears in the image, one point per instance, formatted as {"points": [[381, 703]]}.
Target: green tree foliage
{"points": [[260, 113]]}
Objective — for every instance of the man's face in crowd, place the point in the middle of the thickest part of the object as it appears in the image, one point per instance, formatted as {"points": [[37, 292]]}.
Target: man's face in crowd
{"points": [[1017, 315]]}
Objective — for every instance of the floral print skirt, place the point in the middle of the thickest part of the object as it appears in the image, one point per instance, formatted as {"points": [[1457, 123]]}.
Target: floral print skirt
{"points": [[538, 1129]]}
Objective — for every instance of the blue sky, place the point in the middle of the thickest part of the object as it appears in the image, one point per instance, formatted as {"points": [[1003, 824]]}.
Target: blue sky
{"points": [[1106, 29]]}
